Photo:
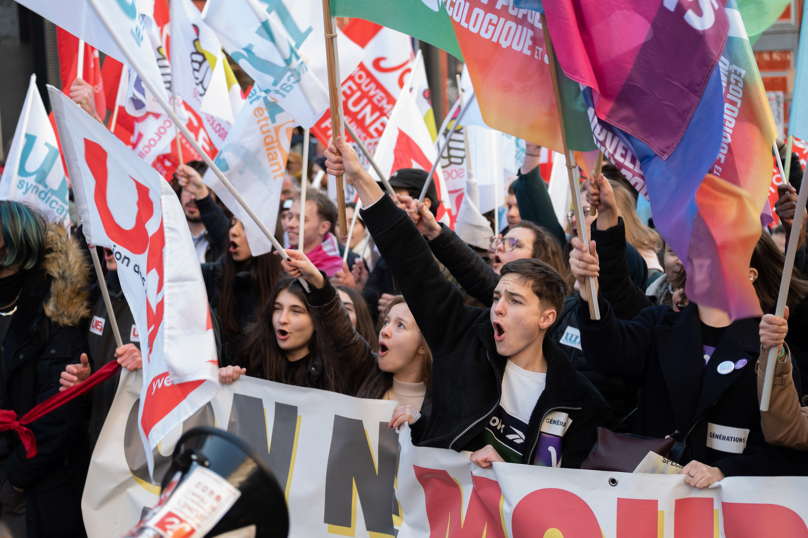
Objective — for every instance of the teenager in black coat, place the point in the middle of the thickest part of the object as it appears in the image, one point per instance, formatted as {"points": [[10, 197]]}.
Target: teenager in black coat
{"points": [[475, 350]]}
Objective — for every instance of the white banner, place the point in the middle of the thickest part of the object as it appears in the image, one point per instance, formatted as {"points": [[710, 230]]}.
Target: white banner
{"points": [[338, 464], [33, 172]]}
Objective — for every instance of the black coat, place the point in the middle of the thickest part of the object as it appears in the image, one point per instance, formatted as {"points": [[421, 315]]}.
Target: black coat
{"points": [[217, 227], [660, 353], [101, 348], [467, 370], [46, 335]]}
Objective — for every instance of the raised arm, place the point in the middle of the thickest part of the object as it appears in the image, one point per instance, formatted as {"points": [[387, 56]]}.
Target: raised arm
{"points": [[436, 304], [347, 352], [472, 273], [532, 196]]}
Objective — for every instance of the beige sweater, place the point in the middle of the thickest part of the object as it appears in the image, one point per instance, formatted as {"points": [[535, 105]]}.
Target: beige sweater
{"points": [[786, 421], [406, 393]]}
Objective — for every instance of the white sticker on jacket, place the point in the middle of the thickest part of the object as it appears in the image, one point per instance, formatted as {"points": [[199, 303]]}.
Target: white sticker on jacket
{"points": [[556, 423], [133, 334], [572, 338], [97, 325], [726, 439]]}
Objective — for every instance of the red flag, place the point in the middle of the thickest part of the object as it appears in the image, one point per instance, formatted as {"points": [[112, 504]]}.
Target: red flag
{"points": [[68, 46]]}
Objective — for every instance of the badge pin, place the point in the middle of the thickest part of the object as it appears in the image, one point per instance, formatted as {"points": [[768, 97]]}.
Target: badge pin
{"points": [[740, 364], [726, 367]]}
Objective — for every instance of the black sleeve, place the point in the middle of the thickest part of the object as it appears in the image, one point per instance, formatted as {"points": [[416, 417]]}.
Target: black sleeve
{"points": [[436, 304], [472, 273], [54, 431], [795, 172], [216, 223], [535, 204], [625, 298]]}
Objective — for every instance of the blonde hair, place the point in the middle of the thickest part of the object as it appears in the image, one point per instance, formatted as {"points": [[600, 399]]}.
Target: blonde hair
{"points": [[638, 234]]}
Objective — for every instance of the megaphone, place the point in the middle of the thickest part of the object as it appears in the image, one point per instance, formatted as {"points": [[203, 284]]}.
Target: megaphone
{"points": [[216, 486]]}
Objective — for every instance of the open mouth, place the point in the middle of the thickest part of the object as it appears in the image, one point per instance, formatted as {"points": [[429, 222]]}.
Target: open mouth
{"points": [[383, 349], [283, 334], [497, 260], [233, 246], [499, 331]]}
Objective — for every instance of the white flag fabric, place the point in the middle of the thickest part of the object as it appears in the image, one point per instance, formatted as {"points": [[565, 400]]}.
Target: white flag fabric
{"points": [[559, 188], [197, 67], [254, 160], [127, 22], [126, 206], [282, 47], [487, 166], [406, 143], [33, 173]]}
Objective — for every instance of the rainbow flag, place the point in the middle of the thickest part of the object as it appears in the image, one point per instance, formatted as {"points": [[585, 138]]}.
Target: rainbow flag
{"points": [[647, 62], [712, 222], [504, 51]]}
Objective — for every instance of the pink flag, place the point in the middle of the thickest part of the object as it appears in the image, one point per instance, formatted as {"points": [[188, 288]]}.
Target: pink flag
{"points": [[126, 206]]}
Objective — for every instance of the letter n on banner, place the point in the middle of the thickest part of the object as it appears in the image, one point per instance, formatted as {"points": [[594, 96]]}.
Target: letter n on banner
{"points": [[353, 471]]}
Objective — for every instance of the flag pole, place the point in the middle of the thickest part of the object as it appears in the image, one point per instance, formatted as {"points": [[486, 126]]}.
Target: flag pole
{"points": [[80, 63], [593, 211], [191, 140], [785, 281], [350, 232], [789, 146], [591, 282], [177, 135], [335, 95], [442, 147], [114, 121], [370, 159], [105, 292], [304, 180]]}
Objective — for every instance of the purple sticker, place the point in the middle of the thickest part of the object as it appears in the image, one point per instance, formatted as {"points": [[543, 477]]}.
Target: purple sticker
{"points": [[740, 364]]}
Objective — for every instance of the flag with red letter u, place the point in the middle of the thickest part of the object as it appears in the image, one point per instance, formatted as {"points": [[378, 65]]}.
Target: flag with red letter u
{"points": [[126, 206]]}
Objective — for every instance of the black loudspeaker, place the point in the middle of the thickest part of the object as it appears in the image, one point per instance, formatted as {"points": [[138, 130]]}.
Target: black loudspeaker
{"points": [[261, 505]]}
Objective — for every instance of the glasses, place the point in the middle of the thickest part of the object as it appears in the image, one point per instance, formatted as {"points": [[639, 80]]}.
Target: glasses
{"points": [[571, 213], [508, 243]]}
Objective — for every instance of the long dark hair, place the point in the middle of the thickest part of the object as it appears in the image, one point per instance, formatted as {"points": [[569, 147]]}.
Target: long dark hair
{"points": [[265, 270], [261, 354], [364, 323]]}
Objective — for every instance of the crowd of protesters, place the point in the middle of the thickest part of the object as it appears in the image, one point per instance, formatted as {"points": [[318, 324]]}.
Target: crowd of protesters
{"points": [[490, 352]]}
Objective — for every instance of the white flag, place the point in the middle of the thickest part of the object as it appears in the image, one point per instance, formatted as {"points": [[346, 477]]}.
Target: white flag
{"points": [[406, 143], [126, 21], [197, 66], [254, 159], [282, 47], [126, 206], [33, 173]]}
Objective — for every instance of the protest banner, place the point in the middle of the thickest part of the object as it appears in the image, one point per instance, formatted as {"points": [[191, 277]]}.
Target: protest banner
{"points": [[33, 172], [343, 475]]}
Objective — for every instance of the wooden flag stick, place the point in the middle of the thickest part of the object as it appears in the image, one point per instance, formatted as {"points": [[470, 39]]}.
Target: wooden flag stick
{"points": [[304, 180], [370, 159], [105, 292], [114, 121], [177, 136], [594, 179], [583, 233], [191, 140], [785, 281], [789, 145], [80, 63], [335, 95], [442, 147]]}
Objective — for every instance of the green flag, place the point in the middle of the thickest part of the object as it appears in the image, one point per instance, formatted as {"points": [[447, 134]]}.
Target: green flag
{"points": [[759, 15], [426, 20]]}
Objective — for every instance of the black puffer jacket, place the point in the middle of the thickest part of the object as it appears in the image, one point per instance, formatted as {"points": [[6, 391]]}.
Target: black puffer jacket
{"points": [[45, 335]]}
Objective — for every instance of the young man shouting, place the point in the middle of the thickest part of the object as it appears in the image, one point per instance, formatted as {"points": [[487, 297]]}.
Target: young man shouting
{"points": [[499, 387]]}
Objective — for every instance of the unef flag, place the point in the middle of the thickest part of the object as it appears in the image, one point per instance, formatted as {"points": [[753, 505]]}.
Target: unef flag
{"points": [[282, 47], [33, 173], [127, 207], [254, 158], [406, 143]]}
